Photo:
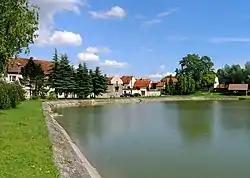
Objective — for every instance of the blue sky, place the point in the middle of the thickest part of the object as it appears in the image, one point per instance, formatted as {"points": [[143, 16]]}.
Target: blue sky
{"points": [[143, 37]]}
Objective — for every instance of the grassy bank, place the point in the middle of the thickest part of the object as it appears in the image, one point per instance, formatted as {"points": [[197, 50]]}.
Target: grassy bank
{"points": [[26, 150]]}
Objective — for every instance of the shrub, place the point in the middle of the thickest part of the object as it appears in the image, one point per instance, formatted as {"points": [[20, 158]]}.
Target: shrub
{"points": [[51, 96], [11, 94]]}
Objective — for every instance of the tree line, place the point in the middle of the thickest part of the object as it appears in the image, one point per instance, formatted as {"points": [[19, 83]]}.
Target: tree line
{"points": [[64, 79], [194, 74], [234, 74]]}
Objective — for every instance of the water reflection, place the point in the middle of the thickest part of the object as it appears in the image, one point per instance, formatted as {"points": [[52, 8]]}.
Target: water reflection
{"points": [[195, 120], [169, 139]]}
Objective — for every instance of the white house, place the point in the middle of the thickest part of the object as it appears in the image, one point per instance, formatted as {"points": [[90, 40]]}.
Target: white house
{"points": [[115, 86]]}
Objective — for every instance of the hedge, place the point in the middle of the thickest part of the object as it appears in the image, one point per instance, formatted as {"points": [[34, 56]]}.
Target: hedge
{"points": [[11, 94]]}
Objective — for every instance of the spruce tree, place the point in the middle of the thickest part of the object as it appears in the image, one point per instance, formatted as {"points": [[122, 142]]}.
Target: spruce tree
{"points": [[54, 76], [83, 83], [65, 80], [97, 82]]}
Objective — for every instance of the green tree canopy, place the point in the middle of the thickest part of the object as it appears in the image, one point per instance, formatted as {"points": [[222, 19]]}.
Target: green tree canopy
{"points": [[18, 22], [33, 78], [82, 80]]}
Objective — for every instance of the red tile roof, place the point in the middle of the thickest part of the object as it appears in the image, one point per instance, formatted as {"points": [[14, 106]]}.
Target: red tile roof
{"points": [[126, 79], [21, 62], [160, 84], [166, 79], [142, 83], [238, 87]]}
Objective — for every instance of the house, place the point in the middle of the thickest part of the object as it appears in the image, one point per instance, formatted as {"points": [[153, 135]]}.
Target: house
{"points": [[14, 70], [115, 86], [160, 86], [238, 88], [142, 86], [128, 82]]}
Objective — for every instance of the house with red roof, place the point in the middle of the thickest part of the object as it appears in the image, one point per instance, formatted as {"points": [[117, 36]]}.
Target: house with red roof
{"points": [[144, 88], [14, 70], [128, 82]]}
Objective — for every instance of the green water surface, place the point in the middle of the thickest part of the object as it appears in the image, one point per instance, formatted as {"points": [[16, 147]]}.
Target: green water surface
{"points": [[188, 139]]}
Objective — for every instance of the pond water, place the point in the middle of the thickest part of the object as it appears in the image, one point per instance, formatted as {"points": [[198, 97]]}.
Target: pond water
{"points": [[187, 139]]}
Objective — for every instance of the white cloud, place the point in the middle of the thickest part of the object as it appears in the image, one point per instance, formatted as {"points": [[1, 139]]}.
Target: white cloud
{"points": [[91, 54], [88, 57], [160, 75], [162, 67], [114, 64], [167, 13], [47, 10], [59, 38], [97, 50], [230, 40], [151, 22], [114, 13]]}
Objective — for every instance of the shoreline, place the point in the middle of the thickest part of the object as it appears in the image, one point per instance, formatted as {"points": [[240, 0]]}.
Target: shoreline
{"points": [[70, 161]]}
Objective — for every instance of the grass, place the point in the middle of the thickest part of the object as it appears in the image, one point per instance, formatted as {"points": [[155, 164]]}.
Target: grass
{"points": [[26, 150]]}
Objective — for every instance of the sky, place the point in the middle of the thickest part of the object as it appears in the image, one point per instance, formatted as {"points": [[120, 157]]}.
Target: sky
{"points": [[143, 37]]}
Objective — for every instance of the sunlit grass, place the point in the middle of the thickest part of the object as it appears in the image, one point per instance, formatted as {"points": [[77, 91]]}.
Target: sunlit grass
{"points": [[25, 147]]}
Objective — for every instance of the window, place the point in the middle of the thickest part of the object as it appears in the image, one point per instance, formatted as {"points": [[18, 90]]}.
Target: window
{"points": [[13, 78]]}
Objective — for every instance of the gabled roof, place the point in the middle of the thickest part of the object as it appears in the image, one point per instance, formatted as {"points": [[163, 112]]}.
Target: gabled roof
{"points": [[109, 80], [160, 84], [238, 87], [166, 79], [142, 83], [21, 62], [126, 79]]}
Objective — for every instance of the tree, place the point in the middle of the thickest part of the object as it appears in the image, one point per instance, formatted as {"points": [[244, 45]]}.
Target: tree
{"points": [[208, 80], [99, 82], [196, 67], [65, 82], [83, 83], [234, 74], [18, 22], [171, 85], [55, 75], [33, 78]]}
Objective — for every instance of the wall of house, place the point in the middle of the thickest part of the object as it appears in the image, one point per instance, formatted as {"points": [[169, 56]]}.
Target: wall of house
{"points": [[12, 77], [153, 93], [132, 82]]}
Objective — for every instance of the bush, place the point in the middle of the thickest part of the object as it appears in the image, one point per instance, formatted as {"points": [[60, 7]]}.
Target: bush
{"points": [[51, 96], [11, 94]]}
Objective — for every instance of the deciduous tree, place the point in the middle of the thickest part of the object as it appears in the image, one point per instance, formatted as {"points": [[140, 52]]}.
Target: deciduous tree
{"points": [[18, 22]]}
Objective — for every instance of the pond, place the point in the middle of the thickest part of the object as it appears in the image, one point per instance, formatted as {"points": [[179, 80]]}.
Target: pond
{"points": [[194, 139]]}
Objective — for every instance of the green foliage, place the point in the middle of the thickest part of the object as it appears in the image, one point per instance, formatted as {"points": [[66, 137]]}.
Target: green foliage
{"points": [[11, 94], [200, 69], [234, 74], [99, 82], [18, 22], [64, 80], [55, 75], [33, 78], [52, 96], [82, 80]]}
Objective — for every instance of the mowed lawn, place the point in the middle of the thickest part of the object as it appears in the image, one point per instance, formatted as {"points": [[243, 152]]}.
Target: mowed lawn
{"points": [[25, 148]]}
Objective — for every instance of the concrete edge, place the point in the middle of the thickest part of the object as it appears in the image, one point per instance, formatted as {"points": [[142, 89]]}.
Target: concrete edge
{"points": [[87, 165]]}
